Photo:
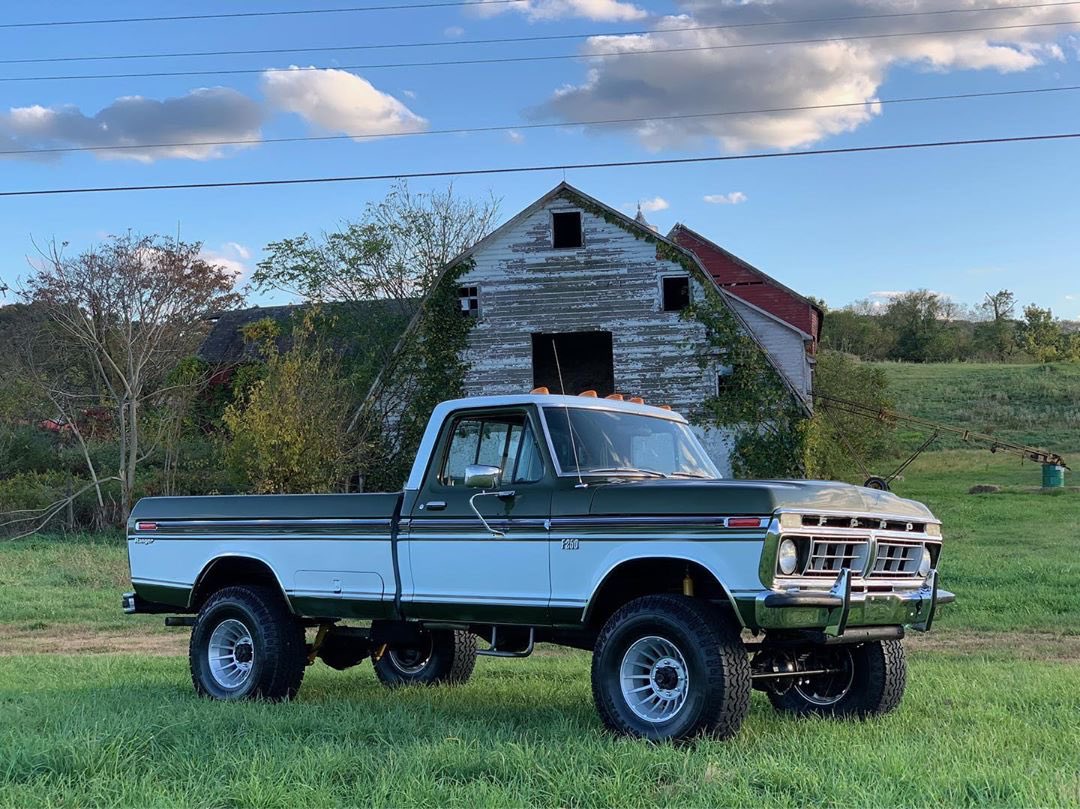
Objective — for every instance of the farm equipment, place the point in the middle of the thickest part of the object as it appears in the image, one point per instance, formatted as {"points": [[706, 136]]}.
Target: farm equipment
{"points": [[1054, 465]]}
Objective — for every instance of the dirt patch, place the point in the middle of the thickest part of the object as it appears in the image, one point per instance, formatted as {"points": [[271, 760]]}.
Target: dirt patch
{"points": [[16, 640], [1021, 645]]}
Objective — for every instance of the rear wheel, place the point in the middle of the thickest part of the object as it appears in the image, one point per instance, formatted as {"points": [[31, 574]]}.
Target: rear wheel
{"points": [[670, 667], [246, 644], [857, 681], [439, 656]]}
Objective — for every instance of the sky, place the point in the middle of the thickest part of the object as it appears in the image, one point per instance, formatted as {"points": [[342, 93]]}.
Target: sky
{"points": [[960, 221]]}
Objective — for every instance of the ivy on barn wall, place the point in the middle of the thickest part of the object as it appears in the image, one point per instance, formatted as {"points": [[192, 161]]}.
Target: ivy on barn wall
{"points": [[771, 428], [428, 367]]}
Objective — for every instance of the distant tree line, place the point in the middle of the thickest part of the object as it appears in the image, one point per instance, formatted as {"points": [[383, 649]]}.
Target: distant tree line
{"points": [[923, 326]]}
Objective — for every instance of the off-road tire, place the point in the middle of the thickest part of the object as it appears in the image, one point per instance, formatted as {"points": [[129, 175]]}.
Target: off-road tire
{"points": [[718, 695], [279, 659], [450, 662], [877, 687]]}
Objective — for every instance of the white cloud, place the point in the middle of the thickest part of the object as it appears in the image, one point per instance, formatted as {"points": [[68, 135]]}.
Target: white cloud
{"points": [[515, 136], [546, 10], [655, 204], [732, 198], [338, 101], [206, 114], [454, 31], [410, 94], [723, 76], [232, 256]]}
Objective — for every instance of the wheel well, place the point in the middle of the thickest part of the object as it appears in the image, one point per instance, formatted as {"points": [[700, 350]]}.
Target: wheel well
{"points": [[642, 577], [226, 571]]}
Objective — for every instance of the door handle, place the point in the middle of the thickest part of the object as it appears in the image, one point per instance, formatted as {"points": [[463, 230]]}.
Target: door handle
{"points": [[434, 505]]}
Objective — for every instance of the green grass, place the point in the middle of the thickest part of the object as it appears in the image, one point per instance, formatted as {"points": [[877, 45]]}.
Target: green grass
{"points": [[1011, 556], [1038, 405], [113, 730]]}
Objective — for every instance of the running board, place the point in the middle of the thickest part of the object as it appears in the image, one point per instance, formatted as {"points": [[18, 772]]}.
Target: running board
{"points": [[494, 651]]}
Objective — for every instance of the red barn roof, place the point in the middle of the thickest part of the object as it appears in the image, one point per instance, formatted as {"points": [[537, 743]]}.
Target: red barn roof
{"points": [[747, 282]]}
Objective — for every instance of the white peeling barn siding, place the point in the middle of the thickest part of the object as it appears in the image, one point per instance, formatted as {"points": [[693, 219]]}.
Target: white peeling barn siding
{"points": [[611, 284], [785, 345]]}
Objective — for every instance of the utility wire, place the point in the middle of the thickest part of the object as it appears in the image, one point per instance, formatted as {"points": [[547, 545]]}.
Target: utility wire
{"points": [[555, 57], [559, 125], [543, 38], [671, 161], [248, 14]]}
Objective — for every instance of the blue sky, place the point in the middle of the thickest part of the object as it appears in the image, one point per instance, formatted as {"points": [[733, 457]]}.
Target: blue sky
{"points": [[959, 221]]}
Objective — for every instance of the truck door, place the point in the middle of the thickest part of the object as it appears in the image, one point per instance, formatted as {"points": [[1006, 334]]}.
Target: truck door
{"points": [[459, 569]]}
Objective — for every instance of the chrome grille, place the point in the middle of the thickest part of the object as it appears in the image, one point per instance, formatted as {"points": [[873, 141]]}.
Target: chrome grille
{"points": [[895, 559], [829, 555]]}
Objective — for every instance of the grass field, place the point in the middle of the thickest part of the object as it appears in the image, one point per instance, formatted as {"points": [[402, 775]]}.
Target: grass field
{"points": [[991, 717], [1037, 405]]}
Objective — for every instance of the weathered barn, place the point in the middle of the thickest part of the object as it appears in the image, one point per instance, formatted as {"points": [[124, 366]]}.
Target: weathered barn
{"points": [[572, 294]]}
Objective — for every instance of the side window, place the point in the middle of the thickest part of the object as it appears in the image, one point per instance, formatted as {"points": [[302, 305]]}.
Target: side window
{"points": [[503, 441]]}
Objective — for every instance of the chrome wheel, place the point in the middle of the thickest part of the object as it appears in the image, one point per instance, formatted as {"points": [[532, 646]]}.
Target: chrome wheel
{"points": [[829, 688], [231, 654], [654, 679], [412, 659]]}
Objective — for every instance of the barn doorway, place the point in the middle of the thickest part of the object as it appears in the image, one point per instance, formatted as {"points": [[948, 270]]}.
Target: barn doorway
{"points": [[586, 357]]}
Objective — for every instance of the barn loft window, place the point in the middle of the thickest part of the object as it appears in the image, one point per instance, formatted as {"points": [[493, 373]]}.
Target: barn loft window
{"points": [[566, 229], [676, 292], [470, 301], [724, 379]]}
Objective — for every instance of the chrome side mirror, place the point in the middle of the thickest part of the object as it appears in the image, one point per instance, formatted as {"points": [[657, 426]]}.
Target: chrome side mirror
{"points": [[480, 476]]}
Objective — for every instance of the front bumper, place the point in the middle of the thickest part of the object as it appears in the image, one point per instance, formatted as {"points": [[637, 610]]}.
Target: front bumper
{"points": [[838, 608]]}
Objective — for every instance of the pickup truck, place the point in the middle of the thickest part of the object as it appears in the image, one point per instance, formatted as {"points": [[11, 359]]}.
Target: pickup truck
{"points": [[595, 523]]}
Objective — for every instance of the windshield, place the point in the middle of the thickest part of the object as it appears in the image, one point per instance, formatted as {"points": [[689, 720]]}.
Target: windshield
{"points": [[608, 441]]}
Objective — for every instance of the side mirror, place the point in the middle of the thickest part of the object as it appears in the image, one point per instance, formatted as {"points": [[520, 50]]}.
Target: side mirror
{"points": [[480, 476]]}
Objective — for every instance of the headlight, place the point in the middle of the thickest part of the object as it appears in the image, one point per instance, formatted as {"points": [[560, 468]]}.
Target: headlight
{"points": [[924, 562], [933, 529], [787, 557], [788, 520]]}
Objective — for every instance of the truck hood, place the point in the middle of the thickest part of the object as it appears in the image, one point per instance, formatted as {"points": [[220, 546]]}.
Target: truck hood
{"points": [[709, 497]]}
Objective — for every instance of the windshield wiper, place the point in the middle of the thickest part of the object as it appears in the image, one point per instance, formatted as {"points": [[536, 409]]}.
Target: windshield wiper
{"points": [[698, 475], [632, 469]]}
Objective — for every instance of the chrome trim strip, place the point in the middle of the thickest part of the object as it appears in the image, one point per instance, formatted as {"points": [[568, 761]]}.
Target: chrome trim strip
{"points": [[283, 521], [193, 537], [711, 520]]}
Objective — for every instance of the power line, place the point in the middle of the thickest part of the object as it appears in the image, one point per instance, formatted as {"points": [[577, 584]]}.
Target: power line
{"points": [[542, 38], [555, 57], [671, 161], [239, 14], [559, 125]]}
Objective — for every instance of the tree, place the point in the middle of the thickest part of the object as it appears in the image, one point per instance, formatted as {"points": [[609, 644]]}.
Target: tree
{"points": [[391, 256], [393, 252], [130, 308], [288, 431], [1040, 335], [995, 337], [917, 320], [842, 444]]}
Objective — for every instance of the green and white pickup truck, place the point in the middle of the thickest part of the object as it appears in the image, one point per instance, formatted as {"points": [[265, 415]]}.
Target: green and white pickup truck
{"points": [[594, 523]]}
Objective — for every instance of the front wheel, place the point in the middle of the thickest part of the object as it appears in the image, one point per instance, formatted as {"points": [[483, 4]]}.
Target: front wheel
{"points": [[860, 681], [670, 667], [439, 656], [246, 644]]}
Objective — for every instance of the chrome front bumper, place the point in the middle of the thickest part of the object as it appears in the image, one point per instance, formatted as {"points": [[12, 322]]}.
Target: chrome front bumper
{"points": [[836, 609]]}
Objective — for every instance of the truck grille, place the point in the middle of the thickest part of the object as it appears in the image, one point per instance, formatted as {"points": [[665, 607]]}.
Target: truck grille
{"points": [[828, 556], [895, 559]]}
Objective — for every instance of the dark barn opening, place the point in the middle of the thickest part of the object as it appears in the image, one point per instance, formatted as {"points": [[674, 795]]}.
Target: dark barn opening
{"points": [[566, 229], [586, 357]]}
